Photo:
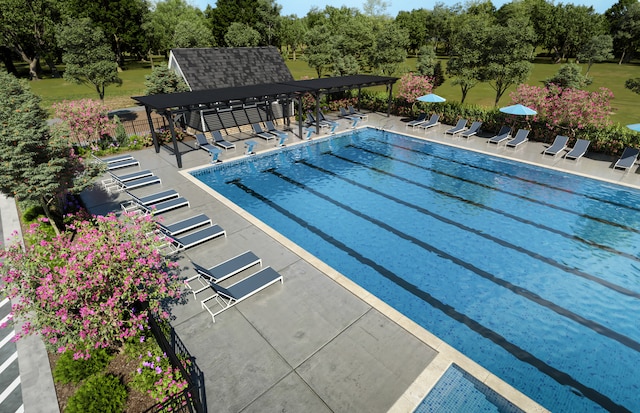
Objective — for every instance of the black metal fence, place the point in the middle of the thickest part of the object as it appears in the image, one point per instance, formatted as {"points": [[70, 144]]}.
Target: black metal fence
{"points": [[190, 399], [140, 127]]}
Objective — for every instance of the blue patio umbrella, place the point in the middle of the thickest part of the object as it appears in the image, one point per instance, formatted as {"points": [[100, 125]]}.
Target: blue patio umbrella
{"points": [[518, 109], [634, 127], [431, 98]]}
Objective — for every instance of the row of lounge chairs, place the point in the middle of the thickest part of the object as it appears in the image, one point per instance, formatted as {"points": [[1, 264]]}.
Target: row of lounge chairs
{"points": [[224, 298]]}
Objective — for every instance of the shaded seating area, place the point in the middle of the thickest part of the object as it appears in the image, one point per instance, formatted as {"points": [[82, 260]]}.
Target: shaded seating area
{"points": [[521, 137], [473, 129], [628, 158], [225, 298], [257, 131], [458, 128], [578, 150], [220, 272], [503, 134], [559, 144], [221, 141]]}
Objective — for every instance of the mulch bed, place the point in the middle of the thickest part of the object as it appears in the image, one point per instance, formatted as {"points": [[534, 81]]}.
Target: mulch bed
{"points": [[121, 366]]}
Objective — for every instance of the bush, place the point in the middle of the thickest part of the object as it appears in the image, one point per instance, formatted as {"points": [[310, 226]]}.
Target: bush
{"points": [[99, 394], [68, 370]]}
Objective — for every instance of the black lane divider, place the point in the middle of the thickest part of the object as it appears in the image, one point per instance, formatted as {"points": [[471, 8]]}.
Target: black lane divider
{"points": [[488, 208], [521, 354], [605, 283], [523, 292], [531, 181], [532, 200]]}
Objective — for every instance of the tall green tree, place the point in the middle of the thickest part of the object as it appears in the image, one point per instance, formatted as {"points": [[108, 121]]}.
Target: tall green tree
{"points": [[120, 20], [87, 55], [241, 35], [34, 165], [575, 25], [164, 80], [292, 31], [624, 26], [415, 24], [388, 50], [427, 60], [261, 15], [569, 76], [505, 59], [597, 49], [27, 27]]}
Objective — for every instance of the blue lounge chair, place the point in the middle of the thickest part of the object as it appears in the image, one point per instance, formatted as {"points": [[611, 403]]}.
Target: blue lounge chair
{"points": [[361, 115], [176, 244], [257, 131], [131, 204], [521, 137], [473, 130], [433, 121], [559, 144], [271, 128], [226, 298], [627, 159], [203, 143], [184, 225], [460, 127], [578, 150], [311, 121], [162, 207], [502, 136], [346, 115], [322, 119], [222, 271], [130, 181], [422, 118], [220, 141]]}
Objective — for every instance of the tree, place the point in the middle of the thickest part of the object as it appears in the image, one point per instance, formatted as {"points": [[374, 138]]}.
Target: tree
{"points": [[388, 50], [192, 33], [120, 21], [260, 15], [573, 27], [88, 57], [596, 49], [633, 85], [569, 76], [624, 26], [427, 60], [87, 288], [415, 24], [413, 86], [164, 80], [34, 165], [28, 28], [505, 56], [84, 121], [241, 35], [292, 31], [375, 8]]}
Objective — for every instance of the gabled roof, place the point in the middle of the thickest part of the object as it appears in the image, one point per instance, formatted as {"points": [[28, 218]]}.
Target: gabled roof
{"points": [[223, 67]]}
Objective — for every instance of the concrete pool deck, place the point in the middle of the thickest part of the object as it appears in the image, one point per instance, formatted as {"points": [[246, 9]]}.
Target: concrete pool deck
{"points": [[317, 342]]}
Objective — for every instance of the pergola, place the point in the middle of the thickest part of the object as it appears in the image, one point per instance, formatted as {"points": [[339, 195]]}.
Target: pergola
{"points": [[171, 104]]}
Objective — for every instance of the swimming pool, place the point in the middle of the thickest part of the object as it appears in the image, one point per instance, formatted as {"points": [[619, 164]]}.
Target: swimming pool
{"points": [[532, 273]]}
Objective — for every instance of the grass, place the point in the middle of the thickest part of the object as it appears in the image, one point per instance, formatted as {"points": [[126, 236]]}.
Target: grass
{"points": [[610, 75]]}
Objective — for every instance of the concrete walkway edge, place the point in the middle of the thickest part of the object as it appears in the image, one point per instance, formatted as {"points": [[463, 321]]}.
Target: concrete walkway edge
{"points": [[38, 391]]}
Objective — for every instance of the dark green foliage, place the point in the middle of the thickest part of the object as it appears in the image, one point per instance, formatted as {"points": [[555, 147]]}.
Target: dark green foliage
{"points": [[32, 213], [569, 76], [121, 134], [99, 394], [633, 85], [68, 370], [164, 80]]}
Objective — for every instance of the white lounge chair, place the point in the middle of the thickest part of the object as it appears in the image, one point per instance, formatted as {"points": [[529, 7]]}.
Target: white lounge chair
{"points": [[257, 131], [578, 150], [184, 225], [117, 162], [473, 129], [627, 159], [176, 244], [422, 118], [222, 271], [559, 144], [361, 115], [130, 181], [222, 142], [132, 204], [460, 127], [433, 121], [271, 128], [521, 137], [226, 298], [160, 207], [344, 114], [502, 136]]}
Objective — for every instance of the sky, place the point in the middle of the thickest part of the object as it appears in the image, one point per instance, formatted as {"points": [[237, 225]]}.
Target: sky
{"points": [[300, 8]]}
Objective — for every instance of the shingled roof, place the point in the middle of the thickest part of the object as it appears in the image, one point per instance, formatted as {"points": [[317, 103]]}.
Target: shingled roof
{"points": [[223, 67]]}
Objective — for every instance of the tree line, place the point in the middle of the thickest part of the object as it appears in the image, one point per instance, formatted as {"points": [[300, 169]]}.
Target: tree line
{"points": [[483, 43]]}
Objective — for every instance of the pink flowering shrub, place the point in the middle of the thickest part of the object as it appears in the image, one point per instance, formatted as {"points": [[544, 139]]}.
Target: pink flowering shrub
{"points": [[413, 86], [566, 109], [87, 120], [86, 287], [156, 377]]}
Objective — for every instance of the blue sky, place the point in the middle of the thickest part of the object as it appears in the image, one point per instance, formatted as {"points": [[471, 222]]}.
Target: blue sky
{"points": [[300, 8]]}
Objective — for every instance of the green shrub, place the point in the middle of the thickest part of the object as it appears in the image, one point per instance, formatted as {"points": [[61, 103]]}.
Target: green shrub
{"points": [[68, 370], [99, 394], [33, 213]]}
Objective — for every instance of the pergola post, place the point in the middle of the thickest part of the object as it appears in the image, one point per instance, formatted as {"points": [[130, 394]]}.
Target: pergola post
{"points": [[172, 129], [317, 96], [300, 114], [156, 144], [390, 89]]}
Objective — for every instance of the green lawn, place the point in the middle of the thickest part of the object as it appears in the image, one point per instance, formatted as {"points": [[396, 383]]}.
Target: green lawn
{"points": [[609, 75]]}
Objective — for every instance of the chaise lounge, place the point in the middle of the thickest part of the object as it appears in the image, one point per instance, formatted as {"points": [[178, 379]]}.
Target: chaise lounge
{"points": [[473, 130], [240, 291], [117, 162], [627, 159], [559, 144], [422, 118], [222, 271], [133, 203], [184, 225], [176, 244], [460, 127], [521, 137], [433, 121], [130, 181], [503, 135], [257, 131], [578, 150], [222, 142]]}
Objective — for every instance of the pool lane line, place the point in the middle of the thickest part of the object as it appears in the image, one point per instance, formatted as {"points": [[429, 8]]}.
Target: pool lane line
{"points": [[521, 354], [565, 268], [532, 200], [521, 291], [531, 181]]}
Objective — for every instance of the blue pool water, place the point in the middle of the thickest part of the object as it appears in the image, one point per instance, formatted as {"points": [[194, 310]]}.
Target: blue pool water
{"points": [[532, 273]]}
